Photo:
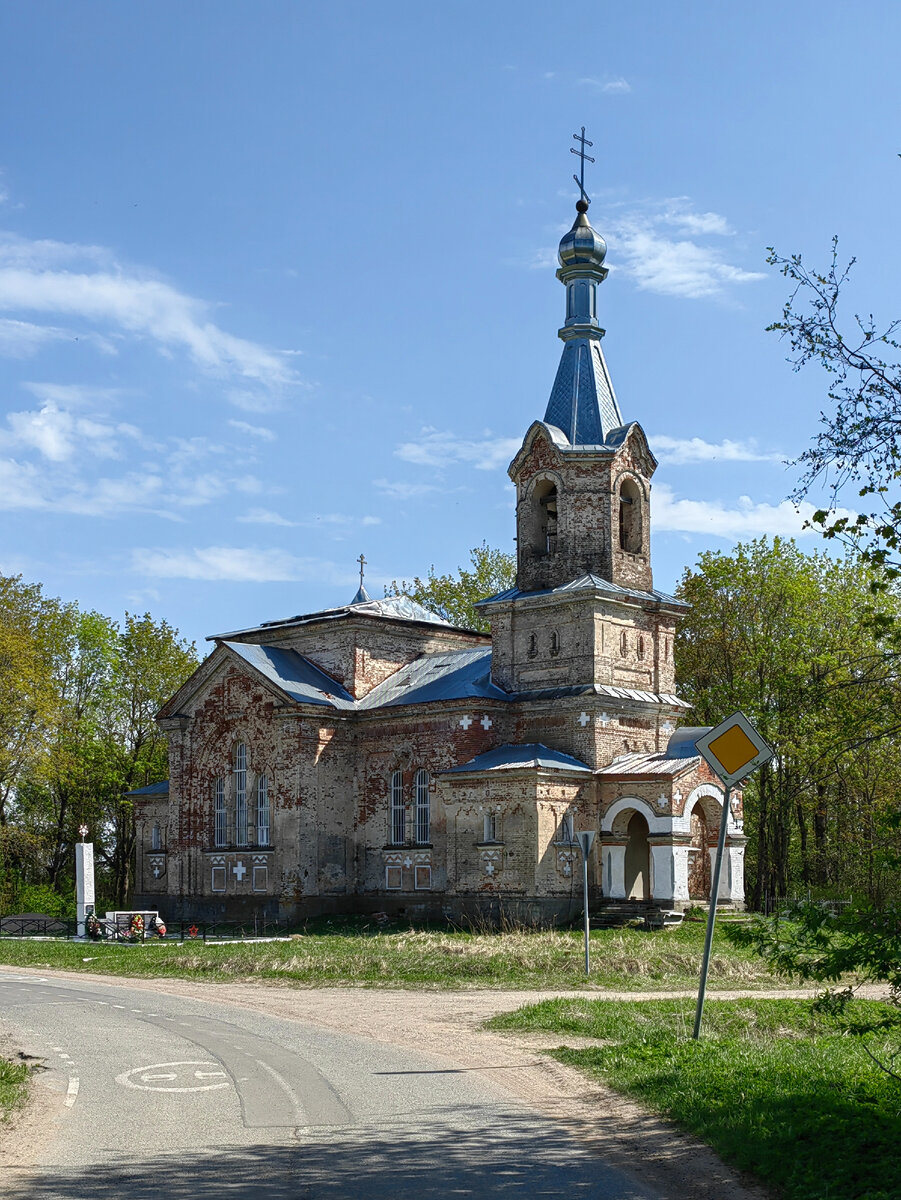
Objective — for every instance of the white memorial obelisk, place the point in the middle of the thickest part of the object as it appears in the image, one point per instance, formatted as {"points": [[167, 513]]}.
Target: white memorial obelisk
{"points": [[84, 880]]}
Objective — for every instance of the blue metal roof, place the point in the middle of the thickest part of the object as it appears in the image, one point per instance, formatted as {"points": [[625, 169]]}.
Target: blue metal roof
{"points": [[528, 754], [682, 742], [297, 676], [152, 789], [454, 675], [587, 583]]}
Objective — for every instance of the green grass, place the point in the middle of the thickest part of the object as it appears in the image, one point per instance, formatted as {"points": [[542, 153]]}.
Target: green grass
{"points": [[14, 1079], [774, 1089], [351, 951]]}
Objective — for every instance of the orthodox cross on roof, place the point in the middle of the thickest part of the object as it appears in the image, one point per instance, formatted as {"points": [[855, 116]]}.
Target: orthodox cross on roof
{"points": [[362, 561], [580, 178]]}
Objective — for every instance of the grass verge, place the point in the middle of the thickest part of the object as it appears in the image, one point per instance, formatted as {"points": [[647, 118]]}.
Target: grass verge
{"points": [[14, 1079], [773, 1088], [352, 952]]}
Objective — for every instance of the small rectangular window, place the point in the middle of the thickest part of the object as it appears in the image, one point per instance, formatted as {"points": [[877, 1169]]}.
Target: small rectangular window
{"points": [[217, 881], [393, 879], [260, 879], [423, 878], [489, 827]]}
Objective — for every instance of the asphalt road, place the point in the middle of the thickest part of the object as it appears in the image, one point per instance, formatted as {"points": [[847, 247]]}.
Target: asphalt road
{"points": [[177, 1098]]}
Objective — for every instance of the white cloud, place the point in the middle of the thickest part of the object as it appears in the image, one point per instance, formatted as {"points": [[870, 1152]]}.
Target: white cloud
{"points": [[713, 517], [86, 283], [57, 435], [614, 86], [75, 395], [399, 490], [257, 431], [237, 565], [676, 268], [437, 449], [264, 516], [680, 451]]}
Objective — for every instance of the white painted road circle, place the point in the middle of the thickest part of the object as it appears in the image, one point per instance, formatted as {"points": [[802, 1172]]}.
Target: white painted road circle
{"points": [[175, 1077]]}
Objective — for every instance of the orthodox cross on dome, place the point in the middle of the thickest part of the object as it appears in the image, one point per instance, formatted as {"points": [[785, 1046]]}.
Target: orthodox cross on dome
{"points": [[580, 178], [362, 561]]}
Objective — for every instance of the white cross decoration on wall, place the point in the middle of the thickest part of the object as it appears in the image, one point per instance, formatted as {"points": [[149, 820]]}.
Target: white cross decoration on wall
{"points": [[583, 719], [604, 719], [239, 870], [667, 727], [486, 722], [677, 796], [663, 799], [408, 862], [466, 721]]}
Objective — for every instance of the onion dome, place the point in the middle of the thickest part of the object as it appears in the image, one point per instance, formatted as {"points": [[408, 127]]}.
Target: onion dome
{"points": [[583, 245]]}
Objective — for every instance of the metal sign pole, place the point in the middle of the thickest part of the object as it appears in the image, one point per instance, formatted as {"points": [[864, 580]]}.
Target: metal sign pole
{"points": [[711, 915], [586, 838]]}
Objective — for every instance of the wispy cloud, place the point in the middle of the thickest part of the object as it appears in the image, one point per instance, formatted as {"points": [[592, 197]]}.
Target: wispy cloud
{"points": [[609, 85], [256, 431], [713, 517], [680, 451], [57, 435], [87, 284], [398, 489], [434, 448], [237, 564], [265, 516]]}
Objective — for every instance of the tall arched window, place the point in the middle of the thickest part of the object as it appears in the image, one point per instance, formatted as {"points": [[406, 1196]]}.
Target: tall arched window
{"points": [[155, 839], [533, 645], [555, 643], [489, 827], [398, 815], [623, 644], [423, 808], [220, 822], [630, 532], [263, 811], [241, 795], [641, 647], [543, 516]]}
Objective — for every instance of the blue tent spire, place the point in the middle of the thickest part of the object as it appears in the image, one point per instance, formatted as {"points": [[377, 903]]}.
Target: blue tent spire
{"points": [[582, 404]]}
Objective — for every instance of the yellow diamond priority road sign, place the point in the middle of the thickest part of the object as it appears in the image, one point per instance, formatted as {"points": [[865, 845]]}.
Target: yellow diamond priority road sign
{"points": [[734, 748]]}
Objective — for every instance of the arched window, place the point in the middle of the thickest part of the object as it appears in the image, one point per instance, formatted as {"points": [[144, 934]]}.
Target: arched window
{"points": [[555, 643], [241, 795], [623, 644], [220, 822], [155, 838], [533, 645], [630, 532], [423, 808], [398, 815], [641, 647], [263, 811], [542, 532]]}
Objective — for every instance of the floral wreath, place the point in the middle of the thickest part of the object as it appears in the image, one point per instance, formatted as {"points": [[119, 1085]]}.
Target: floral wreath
{"points": [[136, 928], [93, 928]]}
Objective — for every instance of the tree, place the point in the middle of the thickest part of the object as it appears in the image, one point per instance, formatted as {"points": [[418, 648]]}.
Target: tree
{"points": [[785, 636], [453, 597], [859, 444]]}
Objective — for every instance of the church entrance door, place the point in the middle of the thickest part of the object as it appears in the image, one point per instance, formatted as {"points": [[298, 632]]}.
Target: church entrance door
{"points": [[699, 857], [638, 860]]}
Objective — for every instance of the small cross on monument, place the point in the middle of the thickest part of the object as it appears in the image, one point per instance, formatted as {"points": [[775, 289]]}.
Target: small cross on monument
{"points": [[82, 831], [580, 178]]}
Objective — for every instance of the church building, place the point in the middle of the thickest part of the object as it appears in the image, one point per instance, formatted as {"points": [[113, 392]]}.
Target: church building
{"points": [[373, 758]]}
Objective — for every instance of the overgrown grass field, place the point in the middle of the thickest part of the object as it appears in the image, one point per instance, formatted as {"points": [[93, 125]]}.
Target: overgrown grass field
{"points": [[354, 952], [13, 1086], [776, 1090]]}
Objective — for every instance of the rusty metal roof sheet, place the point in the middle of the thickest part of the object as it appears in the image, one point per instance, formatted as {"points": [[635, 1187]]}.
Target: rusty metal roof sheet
{"points": [[454, 675], [393, 608]]}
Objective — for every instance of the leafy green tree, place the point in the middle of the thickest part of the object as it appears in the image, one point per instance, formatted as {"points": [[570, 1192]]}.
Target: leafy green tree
{"points": [[787, 638], [454, 596]]}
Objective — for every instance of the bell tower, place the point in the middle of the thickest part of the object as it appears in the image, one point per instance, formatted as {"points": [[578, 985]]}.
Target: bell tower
{"points": [[584, 612]]}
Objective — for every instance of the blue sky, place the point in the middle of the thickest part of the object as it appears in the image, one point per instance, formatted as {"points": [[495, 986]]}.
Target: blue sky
{"points": [[277, 279]]}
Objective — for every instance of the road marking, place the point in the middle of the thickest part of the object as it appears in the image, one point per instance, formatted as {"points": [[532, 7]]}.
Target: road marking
{"points": [[282, 1082], [122, 1006], [137, 1010], [72, 1091], [149, 1080]]}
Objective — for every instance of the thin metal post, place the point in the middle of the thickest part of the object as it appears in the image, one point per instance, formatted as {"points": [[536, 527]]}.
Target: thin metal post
{"points": [[711, 916], [585, 900]]}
